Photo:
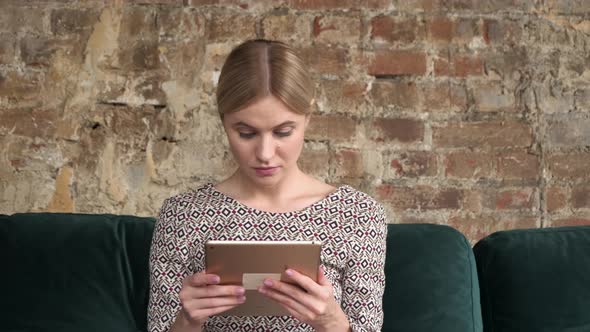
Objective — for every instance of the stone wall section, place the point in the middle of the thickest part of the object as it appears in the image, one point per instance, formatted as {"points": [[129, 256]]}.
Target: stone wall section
{"points": [[470, 113]]}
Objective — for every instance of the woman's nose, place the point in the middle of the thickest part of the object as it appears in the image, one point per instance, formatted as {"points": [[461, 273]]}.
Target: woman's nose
{"points": [[266, 148]]}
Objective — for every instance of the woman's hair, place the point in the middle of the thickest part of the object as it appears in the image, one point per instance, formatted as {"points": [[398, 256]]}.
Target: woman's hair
{"points": [[260, 68]]}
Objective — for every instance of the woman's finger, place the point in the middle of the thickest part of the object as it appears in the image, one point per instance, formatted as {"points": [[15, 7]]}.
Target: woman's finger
{"points": [[306, 282], [202, 279], [322, 280], [200, 315], [217, 291], [214, 302], [294, 307]]}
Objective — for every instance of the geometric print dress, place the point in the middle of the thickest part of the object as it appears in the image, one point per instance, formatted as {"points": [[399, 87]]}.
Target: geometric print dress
{"points": [[351, 225]]}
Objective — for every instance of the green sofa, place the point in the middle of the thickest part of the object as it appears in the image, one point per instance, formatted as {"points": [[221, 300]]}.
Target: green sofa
{"points": [[76, 272]]}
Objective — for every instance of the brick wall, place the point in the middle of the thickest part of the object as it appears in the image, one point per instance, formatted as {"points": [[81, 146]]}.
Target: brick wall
{"points": [[470, 113]]}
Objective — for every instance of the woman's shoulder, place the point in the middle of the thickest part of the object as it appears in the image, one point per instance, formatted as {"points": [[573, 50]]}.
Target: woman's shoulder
{"points": [[367, 213], [358, 197], [198, 198]]}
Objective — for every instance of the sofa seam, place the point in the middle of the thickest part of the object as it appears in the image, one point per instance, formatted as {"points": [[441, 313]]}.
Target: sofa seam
{"points": [[471, 281]]}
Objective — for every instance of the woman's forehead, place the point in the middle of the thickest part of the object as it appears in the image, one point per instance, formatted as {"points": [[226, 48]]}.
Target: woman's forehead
{"points": [[268, 112]]}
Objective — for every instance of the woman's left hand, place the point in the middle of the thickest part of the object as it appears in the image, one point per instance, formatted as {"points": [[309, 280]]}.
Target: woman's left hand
{"points": [[313, 303]]}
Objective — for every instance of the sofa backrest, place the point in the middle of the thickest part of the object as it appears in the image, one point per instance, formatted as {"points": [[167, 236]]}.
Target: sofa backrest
{"points": [[78, 272], [74, 272], [431, 281], [535, 280]]}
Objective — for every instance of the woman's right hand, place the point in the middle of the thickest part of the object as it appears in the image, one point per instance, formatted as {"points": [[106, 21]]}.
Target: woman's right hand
{"points": [[202, 297]]}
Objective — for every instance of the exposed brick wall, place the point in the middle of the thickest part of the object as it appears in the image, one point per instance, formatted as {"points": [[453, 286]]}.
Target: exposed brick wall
{"points": [[470, 113]]}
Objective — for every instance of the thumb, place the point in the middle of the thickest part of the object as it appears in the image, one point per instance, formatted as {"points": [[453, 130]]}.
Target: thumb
{"points": [[322, 280]]}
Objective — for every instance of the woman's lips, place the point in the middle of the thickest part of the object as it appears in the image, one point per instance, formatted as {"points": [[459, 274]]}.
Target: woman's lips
{"points": [[265, 171]]}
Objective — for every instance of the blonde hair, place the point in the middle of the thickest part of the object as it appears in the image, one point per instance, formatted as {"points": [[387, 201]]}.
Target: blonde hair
{"points": [[259, 68]]}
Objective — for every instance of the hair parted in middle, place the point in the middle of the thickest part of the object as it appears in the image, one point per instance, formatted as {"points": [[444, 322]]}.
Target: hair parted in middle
{"points": [[258, 68]]}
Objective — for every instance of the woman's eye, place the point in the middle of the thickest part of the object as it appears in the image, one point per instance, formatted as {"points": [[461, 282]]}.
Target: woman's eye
{"points": [[284, 133], [247, 135]]}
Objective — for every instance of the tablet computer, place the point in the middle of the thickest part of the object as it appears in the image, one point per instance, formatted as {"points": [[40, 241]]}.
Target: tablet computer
{"points": [[248, 263]]}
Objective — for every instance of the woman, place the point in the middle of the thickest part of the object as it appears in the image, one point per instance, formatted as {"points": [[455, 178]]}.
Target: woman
{"points": [[264, 99]]}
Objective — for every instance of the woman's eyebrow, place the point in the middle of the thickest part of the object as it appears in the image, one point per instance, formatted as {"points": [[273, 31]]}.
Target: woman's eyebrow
{"points": [[284, 124]]}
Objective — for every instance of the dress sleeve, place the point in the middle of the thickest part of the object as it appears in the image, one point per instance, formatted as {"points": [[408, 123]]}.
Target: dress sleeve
{"points": [[364, 278], [168, 268]]}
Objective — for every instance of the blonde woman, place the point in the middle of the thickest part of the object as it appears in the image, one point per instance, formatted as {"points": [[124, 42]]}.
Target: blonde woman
{"points": [[264, 99]]}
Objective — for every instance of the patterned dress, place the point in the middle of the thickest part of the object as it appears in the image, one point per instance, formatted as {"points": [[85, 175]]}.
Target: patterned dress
{"points": [[350, 224]]}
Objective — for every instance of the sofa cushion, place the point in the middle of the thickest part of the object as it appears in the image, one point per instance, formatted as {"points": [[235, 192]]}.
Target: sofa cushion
{"points": [[74, 272], [431, 281], [535, 279]]}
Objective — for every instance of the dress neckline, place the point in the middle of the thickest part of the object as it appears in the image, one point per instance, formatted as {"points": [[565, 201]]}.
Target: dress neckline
{"points": [[210, 186]]}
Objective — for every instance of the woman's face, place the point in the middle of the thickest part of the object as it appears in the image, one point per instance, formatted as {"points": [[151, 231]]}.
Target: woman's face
{"points": [[266, 139]]}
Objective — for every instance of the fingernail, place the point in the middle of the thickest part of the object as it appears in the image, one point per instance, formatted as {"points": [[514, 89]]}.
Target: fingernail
{"points": [[289, 272], [262, 290], [267, 283], [240, 291], [214, 280], [242, 299]]}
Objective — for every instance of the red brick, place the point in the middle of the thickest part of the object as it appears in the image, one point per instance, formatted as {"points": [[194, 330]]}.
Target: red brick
{"points": [[414, 164], [348, 163], [343, 96], [477, 227], [337, 29], [518, 165], [325, 60], [469, 165], [398, 62], [443, 96], [396, 30], [569, 165], [314, 161], [510, 199], [459, 65], [581, 196], [402, 130], [29, 122], [395, 93], [441, 28], [570, 221], [20, 86], [331, 127], [483, 134], [420, 197], [468, 65], [556, 198]]}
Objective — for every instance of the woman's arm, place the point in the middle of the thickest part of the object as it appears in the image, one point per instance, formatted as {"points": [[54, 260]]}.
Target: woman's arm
{"points": [[364, 278], [167, 270], [180, 300]]}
